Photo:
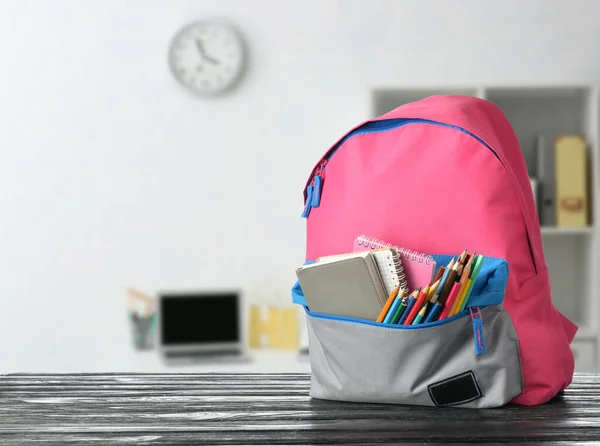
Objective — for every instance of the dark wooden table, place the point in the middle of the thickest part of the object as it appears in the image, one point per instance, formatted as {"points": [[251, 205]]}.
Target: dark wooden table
{"points": [[265, 409]]}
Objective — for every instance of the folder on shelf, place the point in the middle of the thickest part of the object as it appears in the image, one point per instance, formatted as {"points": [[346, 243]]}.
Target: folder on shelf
{"points": [[571, 181], [546, 184]]}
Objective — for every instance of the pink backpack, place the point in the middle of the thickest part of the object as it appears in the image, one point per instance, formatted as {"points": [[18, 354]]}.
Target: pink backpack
{"points": [[438, 176]]}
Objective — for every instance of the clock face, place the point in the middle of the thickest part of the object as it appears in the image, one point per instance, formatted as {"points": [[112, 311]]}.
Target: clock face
{"points": [[207, 57]]}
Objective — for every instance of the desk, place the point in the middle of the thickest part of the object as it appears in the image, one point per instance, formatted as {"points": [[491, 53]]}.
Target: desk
{"points": [[263, 409], [257, 361]]}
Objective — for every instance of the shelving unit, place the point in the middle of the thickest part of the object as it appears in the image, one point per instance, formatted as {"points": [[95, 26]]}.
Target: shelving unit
{"points": [[572, 254], [553, 230]]}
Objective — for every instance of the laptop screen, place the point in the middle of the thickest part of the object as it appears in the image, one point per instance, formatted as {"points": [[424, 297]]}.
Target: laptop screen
{"points": [[199, 318]]}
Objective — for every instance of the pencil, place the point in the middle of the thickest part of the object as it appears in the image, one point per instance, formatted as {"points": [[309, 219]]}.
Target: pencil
{"points": [[420, 315], [439, 273], [388, 304], [401, 308], [417, 306], [468, 267], [450, 301], [473, 278], [409, 305], [474, 258], [435, 308], [465, 289], [451, 279], [463, 284], [462, 256], [432, 289], [397, 300], [477, 264], [445, 277], [471, 259], [461, 297]]}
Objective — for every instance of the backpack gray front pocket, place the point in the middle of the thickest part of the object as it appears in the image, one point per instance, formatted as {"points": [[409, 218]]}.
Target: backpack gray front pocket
{"points": [[443, 364]]}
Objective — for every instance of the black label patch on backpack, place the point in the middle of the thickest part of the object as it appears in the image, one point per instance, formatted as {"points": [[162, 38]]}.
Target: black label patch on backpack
{"points": [[456, 390]]}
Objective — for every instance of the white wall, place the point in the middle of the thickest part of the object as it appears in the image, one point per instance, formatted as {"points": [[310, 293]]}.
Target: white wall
{"points": [[112, 175]]}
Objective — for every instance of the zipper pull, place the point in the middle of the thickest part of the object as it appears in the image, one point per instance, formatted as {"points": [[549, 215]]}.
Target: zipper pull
{"points": [[316, 198], [321, 168], [309, 198], [477, 330], [317, 182]]}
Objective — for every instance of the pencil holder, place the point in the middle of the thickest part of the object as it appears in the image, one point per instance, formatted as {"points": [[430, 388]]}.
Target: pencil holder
{"points": [[142, 319], [143, 329]]}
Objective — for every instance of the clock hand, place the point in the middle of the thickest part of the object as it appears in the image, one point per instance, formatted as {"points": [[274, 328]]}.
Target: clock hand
{"points": [[211, 60], [202, 52], [200, 47]]}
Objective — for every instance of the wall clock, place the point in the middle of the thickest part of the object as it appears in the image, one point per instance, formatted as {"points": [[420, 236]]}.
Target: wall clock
{"points": [[207, 57]]}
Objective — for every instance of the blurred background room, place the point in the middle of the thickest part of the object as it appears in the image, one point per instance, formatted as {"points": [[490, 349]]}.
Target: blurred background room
{"points": [[151, 222]]}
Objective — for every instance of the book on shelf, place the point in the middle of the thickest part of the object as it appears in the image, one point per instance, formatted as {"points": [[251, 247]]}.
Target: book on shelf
{"points": [[571, 181]]}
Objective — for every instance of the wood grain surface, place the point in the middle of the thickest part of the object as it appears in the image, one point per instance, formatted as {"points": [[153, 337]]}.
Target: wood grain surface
{"points": [[265, 409]]}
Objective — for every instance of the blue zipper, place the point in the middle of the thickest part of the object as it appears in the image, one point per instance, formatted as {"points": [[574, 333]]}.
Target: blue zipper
{"points": [[475, 313], [381, 324], [372, 127], [390, 124], [309, 201]]}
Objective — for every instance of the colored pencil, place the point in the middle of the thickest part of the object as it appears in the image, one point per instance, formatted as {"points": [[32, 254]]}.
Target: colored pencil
{"points": [[468, 267], [450, 301], [417, 306], [462, 256], [432, 289], [435, 308], [467, 258], [388, 304], [409, 305], [397, 301], [463, 281], [438, 274], [450, 280], [420, 315], [465, 289], [461, 296], [445, 277], [474, 273], [403, 303]]}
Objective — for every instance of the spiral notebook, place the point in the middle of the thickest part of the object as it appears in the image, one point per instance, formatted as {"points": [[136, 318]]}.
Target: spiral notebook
{"points": [[417, 267], [388, 263]]}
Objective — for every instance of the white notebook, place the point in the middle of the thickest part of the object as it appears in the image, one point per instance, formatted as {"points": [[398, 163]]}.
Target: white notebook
{"points": [[389, 265]]}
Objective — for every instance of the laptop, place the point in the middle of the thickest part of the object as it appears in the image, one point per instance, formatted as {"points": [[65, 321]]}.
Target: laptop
{"points": [[196, 326]]}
